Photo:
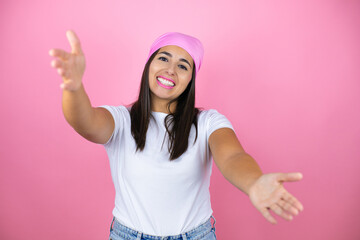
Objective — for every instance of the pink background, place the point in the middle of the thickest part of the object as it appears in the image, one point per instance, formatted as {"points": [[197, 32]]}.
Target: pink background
{"points": [[286, 74]]}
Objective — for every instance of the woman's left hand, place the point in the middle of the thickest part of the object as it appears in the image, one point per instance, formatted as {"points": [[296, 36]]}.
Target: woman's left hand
{"points": [[268, 193]]}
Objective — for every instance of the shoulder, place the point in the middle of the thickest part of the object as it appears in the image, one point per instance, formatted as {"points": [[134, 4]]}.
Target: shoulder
{"points": [[120, 114], [117, 110], [208, 114], [212, 120]]}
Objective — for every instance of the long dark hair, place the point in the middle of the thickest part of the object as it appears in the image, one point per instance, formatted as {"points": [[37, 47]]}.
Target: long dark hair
{"points": [[178, 124]]}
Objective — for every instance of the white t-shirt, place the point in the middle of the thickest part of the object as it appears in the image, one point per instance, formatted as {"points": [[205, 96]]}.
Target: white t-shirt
{"points": [[154, 195]]}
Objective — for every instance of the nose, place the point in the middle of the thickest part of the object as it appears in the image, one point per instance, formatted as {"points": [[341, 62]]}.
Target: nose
{"points": [[171, 69]]}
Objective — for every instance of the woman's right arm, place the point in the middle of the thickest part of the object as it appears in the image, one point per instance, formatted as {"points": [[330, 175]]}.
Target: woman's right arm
{"points": [[94, 124]]}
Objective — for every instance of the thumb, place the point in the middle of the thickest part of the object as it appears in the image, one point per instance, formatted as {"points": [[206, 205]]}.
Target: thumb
{"points": [[289, 177], [74, 42]]}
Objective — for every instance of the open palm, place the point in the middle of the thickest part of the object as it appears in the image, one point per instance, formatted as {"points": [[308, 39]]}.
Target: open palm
{"points": [[268, 193]]}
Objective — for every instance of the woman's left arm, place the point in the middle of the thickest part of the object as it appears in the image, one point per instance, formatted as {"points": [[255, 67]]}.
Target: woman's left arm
{"points": [[265, 191]]}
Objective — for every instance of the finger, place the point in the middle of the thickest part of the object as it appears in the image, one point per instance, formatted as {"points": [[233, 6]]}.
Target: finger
{"points": [[57, 63], [276, 209], [61, 72], [74, 42], [68, 85], [293, 201], [280, 212], [266, 213], [286, 215], [288, 207], [289, 177], [60, 54], [65, 86]]}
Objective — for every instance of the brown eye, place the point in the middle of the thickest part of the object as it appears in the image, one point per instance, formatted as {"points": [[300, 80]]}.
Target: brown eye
{"points": [[182, 67], [163, 59]]}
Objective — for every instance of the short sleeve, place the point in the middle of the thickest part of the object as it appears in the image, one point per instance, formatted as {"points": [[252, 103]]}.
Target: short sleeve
{"points": [[119, 115], [215, 121]]}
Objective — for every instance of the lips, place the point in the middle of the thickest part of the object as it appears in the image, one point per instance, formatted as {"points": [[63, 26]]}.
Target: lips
{"points": [[165, 82]]}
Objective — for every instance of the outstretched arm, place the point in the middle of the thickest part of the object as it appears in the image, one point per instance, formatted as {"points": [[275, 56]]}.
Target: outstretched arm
{"points": [[266, 191], [94, 124]]}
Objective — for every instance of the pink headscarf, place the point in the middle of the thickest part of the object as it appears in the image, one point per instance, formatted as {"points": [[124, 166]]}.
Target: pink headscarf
{"points": [[190, 44]]}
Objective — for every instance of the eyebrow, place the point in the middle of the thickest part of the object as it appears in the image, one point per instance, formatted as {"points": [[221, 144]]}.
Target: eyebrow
{"points": [[181, 59]]}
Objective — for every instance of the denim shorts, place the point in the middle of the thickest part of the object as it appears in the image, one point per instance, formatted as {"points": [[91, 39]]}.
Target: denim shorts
{"points": [[203, 232]]}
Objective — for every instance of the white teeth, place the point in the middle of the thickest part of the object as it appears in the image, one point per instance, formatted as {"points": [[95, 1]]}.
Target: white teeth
{"points": [[165, 82]]}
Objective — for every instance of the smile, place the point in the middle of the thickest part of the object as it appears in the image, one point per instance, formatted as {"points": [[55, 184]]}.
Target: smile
{"points": [[166, 83]]}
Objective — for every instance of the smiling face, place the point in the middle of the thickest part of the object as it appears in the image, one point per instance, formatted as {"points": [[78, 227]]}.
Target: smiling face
{"points": [[169, 74]]}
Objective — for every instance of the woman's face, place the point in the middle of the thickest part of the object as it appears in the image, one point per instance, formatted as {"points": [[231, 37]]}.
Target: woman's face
{"points": [[169, 73]]}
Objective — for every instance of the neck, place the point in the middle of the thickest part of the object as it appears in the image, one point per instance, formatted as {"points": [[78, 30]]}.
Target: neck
{"points": [[162, 106]]}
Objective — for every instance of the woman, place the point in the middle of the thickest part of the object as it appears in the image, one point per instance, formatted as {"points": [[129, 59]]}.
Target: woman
{"points": [[160, 148]]}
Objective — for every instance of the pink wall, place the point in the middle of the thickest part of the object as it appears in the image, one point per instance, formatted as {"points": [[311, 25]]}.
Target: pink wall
{"points": [[285, 74]]}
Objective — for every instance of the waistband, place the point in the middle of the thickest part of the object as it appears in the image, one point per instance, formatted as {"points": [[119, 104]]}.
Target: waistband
{"points": [[199, 231]]}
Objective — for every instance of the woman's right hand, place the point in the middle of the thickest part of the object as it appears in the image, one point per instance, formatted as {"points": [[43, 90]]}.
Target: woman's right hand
{"points": [[70, 66]]}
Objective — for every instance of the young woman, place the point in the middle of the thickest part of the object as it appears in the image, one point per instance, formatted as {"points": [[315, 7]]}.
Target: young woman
{"points": [[160, 147]]}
